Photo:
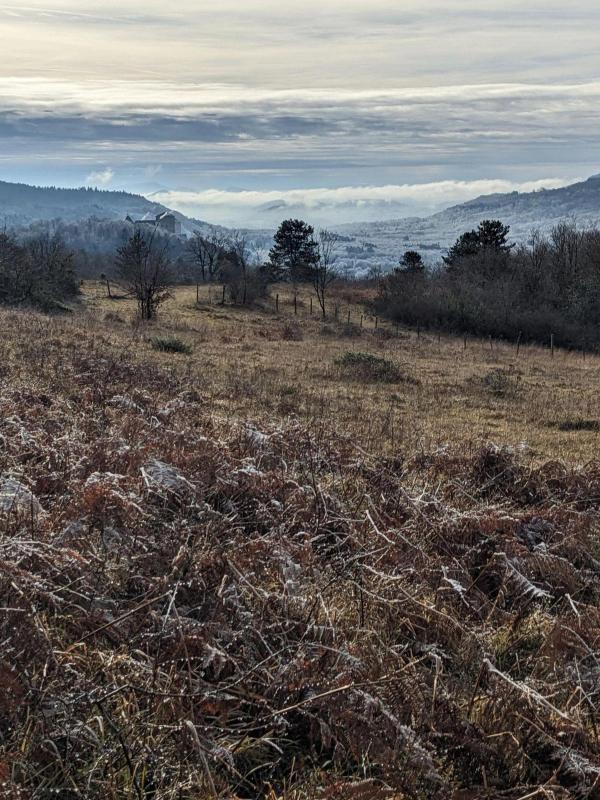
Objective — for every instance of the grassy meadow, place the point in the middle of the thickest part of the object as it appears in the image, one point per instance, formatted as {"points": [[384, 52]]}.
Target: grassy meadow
{"points": [[258, 555], [268, 365]]}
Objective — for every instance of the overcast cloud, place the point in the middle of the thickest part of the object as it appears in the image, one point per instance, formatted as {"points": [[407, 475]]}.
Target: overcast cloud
{"points": [[244, 108]]}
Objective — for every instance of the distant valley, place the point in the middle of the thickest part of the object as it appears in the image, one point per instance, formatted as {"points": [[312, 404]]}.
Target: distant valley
{"points": [[380, 243], [363, 246]]}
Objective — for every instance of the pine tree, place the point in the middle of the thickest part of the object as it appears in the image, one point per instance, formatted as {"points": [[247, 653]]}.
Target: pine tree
{"points": [[412, 262], [295, 252]]}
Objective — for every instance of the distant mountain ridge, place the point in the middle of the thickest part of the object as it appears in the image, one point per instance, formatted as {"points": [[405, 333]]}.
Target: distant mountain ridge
{"points": [[364, 246], [22, 204], [543, 207], [384, 242]]}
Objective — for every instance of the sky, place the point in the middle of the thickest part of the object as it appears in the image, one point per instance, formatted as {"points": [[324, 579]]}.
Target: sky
{"points": [[240, 112]]}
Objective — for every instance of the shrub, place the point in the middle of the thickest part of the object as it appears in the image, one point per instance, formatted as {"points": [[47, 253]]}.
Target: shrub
{"points": [[288, 391], [292, 332], [368, 367], [500, 383], [110, 316], [244, 287], [170, 344], [384, 334], [38, 272], [578, 425]]}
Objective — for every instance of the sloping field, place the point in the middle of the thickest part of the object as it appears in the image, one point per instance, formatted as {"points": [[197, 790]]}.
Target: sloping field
{"points": [[197, 605]]}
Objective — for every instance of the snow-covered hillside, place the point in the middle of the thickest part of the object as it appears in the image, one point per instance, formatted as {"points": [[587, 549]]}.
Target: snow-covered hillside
{"points": [[382, 243]]}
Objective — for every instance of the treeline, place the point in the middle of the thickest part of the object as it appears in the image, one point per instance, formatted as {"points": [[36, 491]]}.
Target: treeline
{"points": [[144, 266], [94, 242], [487, 286], [297, 255], [37, 271]]}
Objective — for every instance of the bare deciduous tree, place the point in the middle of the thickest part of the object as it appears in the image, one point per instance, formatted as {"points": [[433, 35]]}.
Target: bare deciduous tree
{"points": [[144, 268], [197, 255], [39, 271], [240, 250], [206, 254], [322, 274], [243, 278]]}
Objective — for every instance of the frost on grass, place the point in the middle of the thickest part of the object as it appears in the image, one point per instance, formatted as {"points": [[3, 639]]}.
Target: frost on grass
{"points": [[210, 609], [165, 480], [17, 498]]}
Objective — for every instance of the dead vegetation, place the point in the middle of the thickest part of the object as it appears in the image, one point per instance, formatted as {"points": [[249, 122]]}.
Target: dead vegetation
{"points": [[242, 358], [366, 367], [499, 382], [195, 605], [170, 344]]}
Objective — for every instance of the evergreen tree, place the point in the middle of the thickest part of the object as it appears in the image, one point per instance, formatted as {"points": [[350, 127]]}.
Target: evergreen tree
{"points": [[295, 252], [493, 235], [466, 246], [412, 262]]}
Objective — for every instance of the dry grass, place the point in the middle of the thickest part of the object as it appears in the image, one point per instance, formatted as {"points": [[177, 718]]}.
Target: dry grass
{"points": [[263, 365], [223, 576]]}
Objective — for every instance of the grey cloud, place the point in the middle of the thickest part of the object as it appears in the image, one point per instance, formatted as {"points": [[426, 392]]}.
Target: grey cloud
{"points": [[348, 131], [379, 126]]}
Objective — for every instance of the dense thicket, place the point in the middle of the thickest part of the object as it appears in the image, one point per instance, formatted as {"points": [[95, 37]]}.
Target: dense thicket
{"points": [[38, 271], [486, 286]]}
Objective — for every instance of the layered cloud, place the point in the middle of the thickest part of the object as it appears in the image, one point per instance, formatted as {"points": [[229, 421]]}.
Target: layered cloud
{"points": [[206, 142], [337, 42], [328, 206], [271, 97], [154, 111]]}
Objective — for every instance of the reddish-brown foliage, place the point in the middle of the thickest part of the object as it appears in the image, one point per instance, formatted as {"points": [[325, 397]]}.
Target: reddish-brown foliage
{"points": [[197, 608]]}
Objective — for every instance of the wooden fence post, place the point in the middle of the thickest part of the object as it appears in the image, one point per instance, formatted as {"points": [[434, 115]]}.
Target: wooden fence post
{"points": [[348, 316], [552, 345], [519, 342], [295, 305], [311, 306], [376, 322], [277, 302], [223, 300], [361, 321]]}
